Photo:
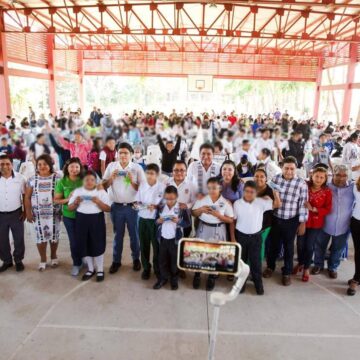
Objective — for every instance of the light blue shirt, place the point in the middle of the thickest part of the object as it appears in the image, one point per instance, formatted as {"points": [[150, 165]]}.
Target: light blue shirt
{"points": [[134, 136], [338, 221]]}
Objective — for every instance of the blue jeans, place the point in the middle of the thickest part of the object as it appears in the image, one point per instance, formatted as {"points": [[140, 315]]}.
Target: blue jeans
{"points": [[121, 215], [70, 229], [305, 246], [338, 244]]}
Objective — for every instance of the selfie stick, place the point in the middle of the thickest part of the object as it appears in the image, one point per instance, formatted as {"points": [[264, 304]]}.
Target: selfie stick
{"points": [[219, 299]]}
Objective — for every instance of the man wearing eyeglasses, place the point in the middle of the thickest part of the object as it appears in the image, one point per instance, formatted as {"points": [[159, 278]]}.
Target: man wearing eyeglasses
{"points": [[186, 189]]}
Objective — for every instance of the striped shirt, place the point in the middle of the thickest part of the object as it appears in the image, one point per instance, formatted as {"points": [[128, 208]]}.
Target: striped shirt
{"points": [[293, 195]]}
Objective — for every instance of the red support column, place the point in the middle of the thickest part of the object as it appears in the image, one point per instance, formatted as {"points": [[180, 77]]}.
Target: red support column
{"points": [[318, 89], [349, 80], [81, 80], [5, 103], [51, 69]]}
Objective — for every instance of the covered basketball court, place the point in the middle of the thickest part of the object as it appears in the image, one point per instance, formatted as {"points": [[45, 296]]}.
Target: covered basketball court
{"points": [[53, 316], [292, 40]]}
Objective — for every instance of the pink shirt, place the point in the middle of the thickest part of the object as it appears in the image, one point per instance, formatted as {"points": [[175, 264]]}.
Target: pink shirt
{"points": [[77, 150]]}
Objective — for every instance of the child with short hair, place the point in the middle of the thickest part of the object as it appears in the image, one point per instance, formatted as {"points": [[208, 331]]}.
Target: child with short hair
{"points": [[90, 230], [5, 147], [108, 154], [171, 221], [148, 197], [248, 218]]}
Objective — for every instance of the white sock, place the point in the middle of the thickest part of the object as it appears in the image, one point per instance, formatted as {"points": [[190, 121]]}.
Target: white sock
{"points": [[90, 263], [99, 261]]}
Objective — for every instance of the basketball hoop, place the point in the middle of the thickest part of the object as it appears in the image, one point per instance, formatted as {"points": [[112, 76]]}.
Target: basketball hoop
{"points": [[199, 85]]}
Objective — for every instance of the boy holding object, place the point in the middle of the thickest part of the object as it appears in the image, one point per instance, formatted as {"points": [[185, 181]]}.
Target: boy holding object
{"points": [[148, 197], [171, 221]]}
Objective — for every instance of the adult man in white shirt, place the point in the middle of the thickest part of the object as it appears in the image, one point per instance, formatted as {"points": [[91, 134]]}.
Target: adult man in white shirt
{"points": [[200, 172], [12, 189], [186, 189], [122, 179]]}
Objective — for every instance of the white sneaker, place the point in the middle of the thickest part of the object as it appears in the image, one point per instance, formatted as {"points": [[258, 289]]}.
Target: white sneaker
{"points": [[75, 270], [42, 266], [54, 263]]}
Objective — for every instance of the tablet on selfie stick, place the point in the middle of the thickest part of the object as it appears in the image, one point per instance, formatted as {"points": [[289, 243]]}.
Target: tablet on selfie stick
{"points": [[210, 257], [214, 258]]}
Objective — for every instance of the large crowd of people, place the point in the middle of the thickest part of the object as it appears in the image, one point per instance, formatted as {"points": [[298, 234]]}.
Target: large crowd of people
{"points": [[272, 183]]}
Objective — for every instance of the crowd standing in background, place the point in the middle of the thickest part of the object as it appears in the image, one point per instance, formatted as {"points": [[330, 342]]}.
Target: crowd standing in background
{"points": [[267, 182]]}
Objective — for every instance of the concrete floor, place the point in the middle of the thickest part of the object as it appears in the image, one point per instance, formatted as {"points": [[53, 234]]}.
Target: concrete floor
{"points": [[53, 316]]}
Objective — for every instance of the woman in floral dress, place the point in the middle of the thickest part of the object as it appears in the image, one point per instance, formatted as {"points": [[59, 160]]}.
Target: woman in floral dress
{"points": [[41, 209]]}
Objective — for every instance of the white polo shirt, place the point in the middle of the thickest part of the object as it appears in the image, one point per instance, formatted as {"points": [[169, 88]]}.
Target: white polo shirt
{"points": [[149, 195], [168, 228], [193, 174], [260, 144], [11, 191], [186, 192], [221, 205], [87, 206], [249, 216], [120, 190]]}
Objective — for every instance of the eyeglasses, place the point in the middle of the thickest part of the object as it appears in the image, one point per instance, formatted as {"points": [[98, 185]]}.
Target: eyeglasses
{"points": [[179, 171], [216, 187]]}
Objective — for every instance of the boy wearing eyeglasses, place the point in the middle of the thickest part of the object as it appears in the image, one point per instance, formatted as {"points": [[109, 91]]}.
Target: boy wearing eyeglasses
{"points": [[186, 189]]}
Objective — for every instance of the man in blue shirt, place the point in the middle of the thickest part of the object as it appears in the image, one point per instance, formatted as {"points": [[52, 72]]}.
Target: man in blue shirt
{"points": [[337, 223]]}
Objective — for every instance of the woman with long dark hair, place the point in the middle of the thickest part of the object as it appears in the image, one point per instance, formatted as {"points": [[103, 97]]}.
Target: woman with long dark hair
{"points": [[41, 210], [231, 185], [231, 189], [73, 173], [265, 191]]}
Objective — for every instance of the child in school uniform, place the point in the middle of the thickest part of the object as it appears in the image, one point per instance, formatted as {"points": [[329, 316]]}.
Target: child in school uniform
{"points": [[148, 197], [213, 211], [90, 230], [248, 219], [171, 221]]}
